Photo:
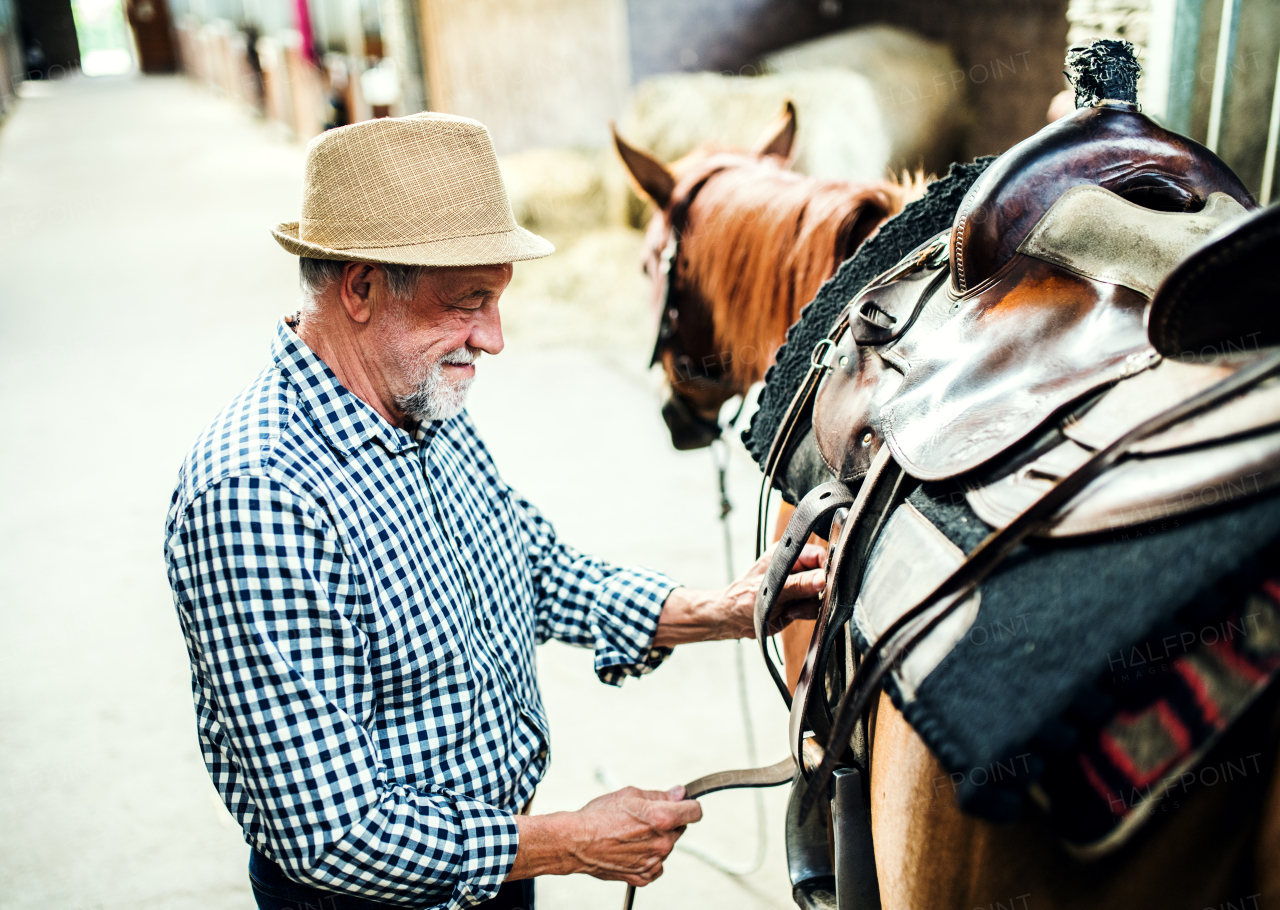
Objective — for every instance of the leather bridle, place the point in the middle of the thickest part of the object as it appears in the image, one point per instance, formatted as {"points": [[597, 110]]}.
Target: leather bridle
{"points": [[668, 334]]}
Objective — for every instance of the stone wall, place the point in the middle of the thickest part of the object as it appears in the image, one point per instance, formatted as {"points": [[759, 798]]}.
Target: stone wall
{"points": [[1126, 19]]}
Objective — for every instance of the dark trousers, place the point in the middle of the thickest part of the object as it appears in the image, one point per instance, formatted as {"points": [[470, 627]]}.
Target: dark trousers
{"points": [[273, 890]]}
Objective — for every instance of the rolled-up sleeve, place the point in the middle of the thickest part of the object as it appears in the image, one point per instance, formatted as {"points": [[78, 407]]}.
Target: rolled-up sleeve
{"points": [[588, 602], [269, 609]]}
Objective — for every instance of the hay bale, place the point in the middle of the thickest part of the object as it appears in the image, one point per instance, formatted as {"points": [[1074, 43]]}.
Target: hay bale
{"points": [[919, 86], [840, 133], [556, 191]]}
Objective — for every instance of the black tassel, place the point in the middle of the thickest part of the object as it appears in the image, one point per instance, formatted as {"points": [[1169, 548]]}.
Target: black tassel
{"points": [[1105, 70]]}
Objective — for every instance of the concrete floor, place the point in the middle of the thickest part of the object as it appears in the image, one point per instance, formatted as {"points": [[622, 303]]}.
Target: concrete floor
{"points": [[138, 292]]}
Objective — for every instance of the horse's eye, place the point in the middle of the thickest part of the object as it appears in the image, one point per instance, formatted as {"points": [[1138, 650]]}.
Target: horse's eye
{"points": [[644, 268]]}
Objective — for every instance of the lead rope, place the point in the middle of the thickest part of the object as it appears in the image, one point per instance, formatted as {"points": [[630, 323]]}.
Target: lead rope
{"points": [[720, 460]]}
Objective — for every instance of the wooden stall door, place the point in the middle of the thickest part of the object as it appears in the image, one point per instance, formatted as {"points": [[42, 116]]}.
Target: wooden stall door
{"points": [[153, 34]]}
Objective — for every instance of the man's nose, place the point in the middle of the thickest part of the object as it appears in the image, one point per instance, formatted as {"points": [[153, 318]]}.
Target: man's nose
{"points": [[486, 331]]}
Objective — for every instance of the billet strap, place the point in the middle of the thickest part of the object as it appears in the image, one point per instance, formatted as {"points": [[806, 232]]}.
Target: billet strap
{"points": [[748, 778], [782, 438], [992, 551], [818, 504]]}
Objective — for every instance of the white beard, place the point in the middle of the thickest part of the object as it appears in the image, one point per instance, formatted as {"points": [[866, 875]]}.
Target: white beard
{"points": [[436, 398]]}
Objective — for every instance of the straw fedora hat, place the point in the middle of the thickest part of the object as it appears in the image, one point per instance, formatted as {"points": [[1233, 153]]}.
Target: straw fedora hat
{"points": [[419, 190]]}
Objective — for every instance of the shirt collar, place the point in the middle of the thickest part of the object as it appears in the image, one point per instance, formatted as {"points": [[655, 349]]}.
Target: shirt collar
{"points": [[345, 421]]}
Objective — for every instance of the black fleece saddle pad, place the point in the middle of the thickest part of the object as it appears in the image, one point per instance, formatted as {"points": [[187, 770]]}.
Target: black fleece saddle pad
{"points": [[916, 223], [1100, 670]]}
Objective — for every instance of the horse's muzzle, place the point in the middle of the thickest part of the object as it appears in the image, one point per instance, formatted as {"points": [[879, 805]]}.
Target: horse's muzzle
{"points": [[689, 429]]}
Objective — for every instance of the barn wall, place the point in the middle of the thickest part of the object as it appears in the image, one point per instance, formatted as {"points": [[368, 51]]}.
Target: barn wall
{"points": [[1011, 51], [536, 72], [721, 35]]}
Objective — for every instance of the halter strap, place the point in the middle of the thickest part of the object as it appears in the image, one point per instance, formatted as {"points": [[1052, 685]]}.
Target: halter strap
{"points": [[670, 258]]}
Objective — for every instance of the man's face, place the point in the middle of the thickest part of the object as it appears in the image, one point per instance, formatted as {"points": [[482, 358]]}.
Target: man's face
{"points": [[432, 341]]}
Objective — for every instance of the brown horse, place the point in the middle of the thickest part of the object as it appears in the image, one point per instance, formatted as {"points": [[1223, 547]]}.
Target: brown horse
{"points": [[738, 244]]}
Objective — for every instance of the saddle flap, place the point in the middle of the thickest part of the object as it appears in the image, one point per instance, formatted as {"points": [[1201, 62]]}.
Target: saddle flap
{"points": [[1144, 493], [1163, 386], [909, 559], [1030, 342], [1214, 457]]}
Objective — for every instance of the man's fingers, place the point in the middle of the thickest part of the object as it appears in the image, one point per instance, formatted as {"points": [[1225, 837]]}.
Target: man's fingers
{"points": [[811, 556], [668, 816], [803, 585], [643, 878], [797, 609], [685, 812]]}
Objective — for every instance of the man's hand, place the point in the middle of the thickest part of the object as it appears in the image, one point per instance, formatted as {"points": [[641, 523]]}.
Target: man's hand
{"points": [[690, 615], [622, 836]]}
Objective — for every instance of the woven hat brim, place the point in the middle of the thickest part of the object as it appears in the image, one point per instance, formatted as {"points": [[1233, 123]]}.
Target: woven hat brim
{"points": [[482, 249]]}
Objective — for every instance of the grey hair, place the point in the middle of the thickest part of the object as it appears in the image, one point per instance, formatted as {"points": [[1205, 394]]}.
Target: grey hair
{"points": [[315, 276]]}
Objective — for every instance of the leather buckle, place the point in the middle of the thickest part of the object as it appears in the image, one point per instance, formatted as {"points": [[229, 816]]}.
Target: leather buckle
{"points": [[819, 361]]}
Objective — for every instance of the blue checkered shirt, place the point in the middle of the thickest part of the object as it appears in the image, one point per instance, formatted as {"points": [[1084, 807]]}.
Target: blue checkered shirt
{"points": [[360, 605]]}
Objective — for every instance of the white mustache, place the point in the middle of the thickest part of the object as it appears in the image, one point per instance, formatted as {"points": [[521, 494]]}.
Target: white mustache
{"points": [[460, 356]]}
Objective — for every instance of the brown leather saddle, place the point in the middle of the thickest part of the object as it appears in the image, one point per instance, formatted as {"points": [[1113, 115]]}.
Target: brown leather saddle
{"points": [[1035, 301], [1065, 356], [1050, 275]]}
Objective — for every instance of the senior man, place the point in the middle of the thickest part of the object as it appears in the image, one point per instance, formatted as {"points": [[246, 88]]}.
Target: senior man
{"points": [[360, 591]]}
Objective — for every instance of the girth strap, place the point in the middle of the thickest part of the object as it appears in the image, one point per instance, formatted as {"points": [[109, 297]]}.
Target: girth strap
{"points": [[817, 505], [880, 658]]}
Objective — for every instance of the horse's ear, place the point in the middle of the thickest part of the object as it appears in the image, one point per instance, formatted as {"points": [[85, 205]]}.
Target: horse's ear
{"points": [[650, 174], [780, 136]]}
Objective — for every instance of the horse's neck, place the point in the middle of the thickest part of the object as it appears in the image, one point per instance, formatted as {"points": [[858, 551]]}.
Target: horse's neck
{"points": [[762, 279]]}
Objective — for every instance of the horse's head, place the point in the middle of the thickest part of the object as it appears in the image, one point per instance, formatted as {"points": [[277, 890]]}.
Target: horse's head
{"points": [[701, 374]]}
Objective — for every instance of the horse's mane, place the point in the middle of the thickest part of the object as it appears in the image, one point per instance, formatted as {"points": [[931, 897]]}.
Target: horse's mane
{"points": [[761, 240]]}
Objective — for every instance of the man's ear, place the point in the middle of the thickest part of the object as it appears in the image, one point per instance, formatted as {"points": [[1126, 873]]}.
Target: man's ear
{"points": [[356, 288]]}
